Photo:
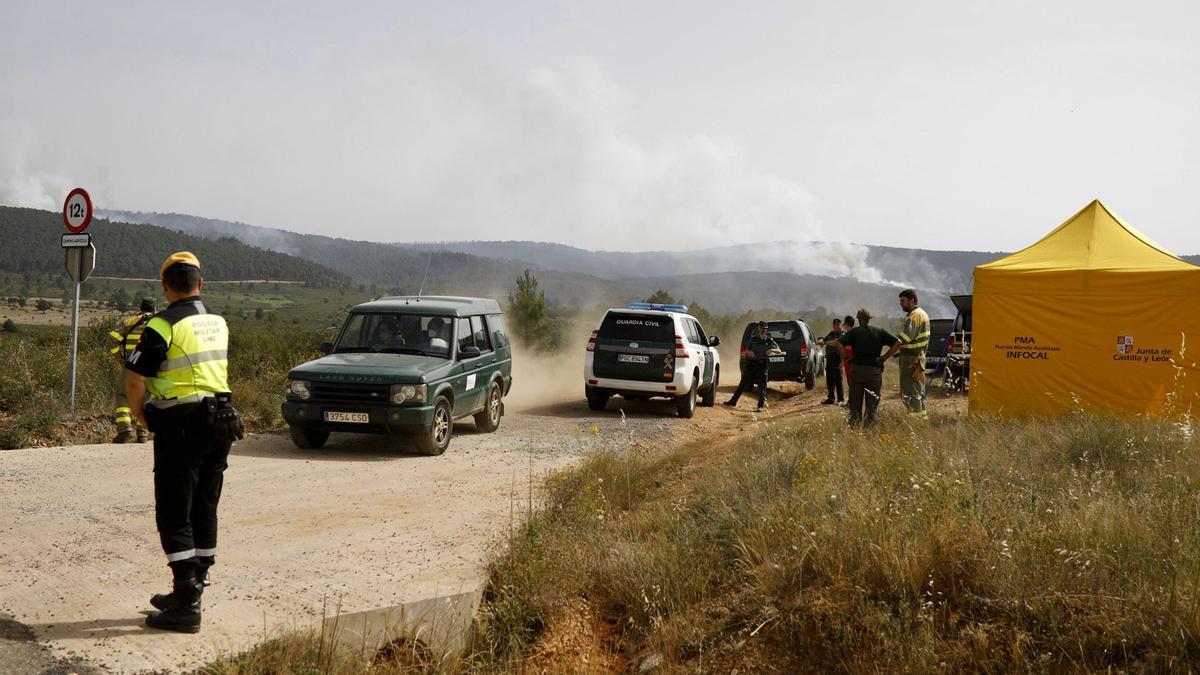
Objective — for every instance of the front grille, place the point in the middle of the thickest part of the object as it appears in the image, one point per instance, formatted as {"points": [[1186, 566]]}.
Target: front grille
{"points": [[346, 392]]}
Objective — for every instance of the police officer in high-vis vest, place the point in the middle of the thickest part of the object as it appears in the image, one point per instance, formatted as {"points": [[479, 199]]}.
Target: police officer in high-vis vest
{"points": [[180, 364], [127, 339]]}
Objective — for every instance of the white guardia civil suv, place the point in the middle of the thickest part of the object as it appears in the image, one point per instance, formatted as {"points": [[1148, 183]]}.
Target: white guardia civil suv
{"points": [[651, 350]]}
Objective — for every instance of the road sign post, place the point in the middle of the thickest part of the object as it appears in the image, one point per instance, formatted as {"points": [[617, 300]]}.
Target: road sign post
{"points": [[80, 255]]}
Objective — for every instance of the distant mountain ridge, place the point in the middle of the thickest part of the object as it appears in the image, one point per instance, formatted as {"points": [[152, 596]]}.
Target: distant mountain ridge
{"points": [[827, 274], [948, 271]]}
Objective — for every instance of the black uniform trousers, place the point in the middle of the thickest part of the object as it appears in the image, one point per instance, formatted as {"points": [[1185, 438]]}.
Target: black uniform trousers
{"points": [[189, 472], [755, 374], [866, 382], [833, 379]]}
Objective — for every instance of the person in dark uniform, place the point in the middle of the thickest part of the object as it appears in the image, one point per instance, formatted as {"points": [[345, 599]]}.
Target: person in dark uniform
{"points": [[833, 365], [760, 347], [866, 366], [181, 364], [847, 326]]}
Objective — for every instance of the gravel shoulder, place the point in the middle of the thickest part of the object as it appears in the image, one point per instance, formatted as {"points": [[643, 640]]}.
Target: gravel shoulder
{"points": [[357, 525]]}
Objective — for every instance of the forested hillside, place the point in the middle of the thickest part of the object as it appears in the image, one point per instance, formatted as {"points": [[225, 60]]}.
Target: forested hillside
{"points": [[32, 244], [575, 277], [374, 262]]}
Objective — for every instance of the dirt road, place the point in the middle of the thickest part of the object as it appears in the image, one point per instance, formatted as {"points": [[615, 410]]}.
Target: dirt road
{"points": [[357, 525]]}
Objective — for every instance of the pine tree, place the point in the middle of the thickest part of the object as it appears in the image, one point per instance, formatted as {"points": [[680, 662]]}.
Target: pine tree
{"points": [[527, 308]]}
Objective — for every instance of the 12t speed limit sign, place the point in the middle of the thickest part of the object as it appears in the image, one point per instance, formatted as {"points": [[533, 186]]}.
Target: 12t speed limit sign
{"points": [[77, 211]]}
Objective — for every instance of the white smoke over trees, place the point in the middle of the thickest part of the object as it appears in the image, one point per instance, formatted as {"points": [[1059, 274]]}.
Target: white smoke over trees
{"points": [[389, 142], [27, 176], [548, 155], [418, 143]]}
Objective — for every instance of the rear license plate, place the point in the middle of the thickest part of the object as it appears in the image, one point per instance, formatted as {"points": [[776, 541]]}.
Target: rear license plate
{"points": [[776, 359], [351, 417], [632, 358]]}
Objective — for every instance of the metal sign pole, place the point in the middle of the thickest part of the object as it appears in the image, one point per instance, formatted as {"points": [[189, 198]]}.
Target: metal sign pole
{"points": [[81, 254], [75, 327]]}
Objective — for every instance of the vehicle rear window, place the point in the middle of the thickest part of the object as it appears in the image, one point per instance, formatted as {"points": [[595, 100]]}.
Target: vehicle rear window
{"points": [[784, 331], [781, 331], [644, 327], [495, 323]]}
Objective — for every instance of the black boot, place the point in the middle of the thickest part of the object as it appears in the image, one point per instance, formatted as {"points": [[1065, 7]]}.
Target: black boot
{"points": [[166, 600], [183, 616]]}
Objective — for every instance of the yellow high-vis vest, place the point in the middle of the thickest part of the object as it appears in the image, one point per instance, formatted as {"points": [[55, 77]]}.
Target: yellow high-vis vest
{"points": [[915, 334], [196, 365]]}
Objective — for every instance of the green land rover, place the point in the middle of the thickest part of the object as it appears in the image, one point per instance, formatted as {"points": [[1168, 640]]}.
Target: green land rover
{"points": [[409, 365]]}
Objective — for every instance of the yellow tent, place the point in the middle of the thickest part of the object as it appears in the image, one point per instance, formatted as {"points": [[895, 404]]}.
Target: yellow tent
{"points": [[1094, 316]]}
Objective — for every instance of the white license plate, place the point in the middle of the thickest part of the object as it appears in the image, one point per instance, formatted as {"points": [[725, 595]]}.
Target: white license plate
{"points": [[776, 359], [633, 358], [352, 417]]}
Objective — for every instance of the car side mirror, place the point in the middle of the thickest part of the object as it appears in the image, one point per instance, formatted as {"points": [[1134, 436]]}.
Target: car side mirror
{"points": [[326, 347], [469, 352], [714, 341]]}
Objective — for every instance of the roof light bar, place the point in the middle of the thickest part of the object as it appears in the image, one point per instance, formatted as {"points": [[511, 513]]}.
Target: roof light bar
{"points": [[658, 307]]}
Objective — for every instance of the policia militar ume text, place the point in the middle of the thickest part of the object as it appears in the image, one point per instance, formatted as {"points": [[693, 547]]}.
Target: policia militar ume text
{"points": [[181, 365]]}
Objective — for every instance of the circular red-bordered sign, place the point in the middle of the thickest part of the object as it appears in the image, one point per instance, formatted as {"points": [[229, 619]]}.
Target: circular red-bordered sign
{"points": [[77, 210]]}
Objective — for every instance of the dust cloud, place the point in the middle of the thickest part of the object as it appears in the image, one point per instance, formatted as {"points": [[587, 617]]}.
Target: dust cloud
{"points": [[545, 379]]}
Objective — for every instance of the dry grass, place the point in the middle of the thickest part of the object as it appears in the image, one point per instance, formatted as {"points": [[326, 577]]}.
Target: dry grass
{"points": [[980, 545], [958, 545], [34, 365]]}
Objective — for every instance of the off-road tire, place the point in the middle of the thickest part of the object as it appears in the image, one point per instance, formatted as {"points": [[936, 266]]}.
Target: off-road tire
{"points": [[436, 438], [685, 406], [488, 419], [810, 381], [709, 399], [598, 401], [308, 439]]}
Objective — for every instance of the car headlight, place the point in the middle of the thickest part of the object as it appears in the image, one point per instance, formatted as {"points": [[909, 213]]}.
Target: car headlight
{"points": [[301, 389], [406, 393]]}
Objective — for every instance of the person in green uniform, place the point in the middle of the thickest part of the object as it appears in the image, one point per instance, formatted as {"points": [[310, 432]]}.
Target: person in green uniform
{"points": [[914, 342], [866, 366], [127, 339]]}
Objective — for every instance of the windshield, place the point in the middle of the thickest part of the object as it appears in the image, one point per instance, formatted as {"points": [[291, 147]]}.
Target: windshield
{"points": [[396, 334]]}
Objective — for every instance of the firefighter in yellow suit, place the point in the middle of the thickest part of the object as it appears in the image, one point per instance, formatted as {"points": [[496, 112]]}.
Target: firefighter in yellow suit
{"points": [[914, 342], [127, 339]]}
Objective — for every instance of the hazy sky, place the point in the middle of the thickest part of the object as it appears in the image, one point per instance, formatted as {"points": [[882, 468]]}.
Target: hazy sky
{"points": [[617, 125]]}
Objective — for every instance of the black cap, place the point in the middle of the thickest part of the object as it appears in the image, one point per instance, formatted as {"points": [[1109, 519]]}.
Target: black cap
{"points": [[147, 305], [762, 324]]}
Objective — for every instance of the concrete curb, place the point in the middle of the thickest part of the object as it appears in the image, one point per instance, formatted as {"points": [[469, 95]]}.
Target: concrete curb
{"points": [[443, 624]]}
